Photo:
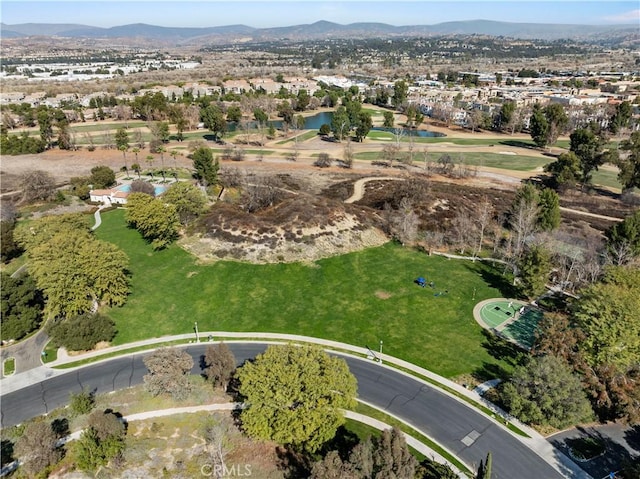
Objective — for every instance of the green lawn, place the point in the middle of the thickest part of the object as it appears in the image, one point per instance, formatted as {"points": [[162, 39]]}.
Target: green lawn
{"points": [[494, 160], [112, 127], [359, 298], [606, 178]]}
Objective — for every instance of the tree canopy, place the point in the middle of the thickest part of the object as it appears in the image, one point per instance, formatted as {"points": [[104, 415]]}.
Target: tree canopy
{"points": [[588, 147], [608, 312], [102, 177], [624, 237], [169, 370], [205, 165], [22, 305], [629, 162], [156, 220], [190, 201], [294, 395], [546, 391], [71, 267]]}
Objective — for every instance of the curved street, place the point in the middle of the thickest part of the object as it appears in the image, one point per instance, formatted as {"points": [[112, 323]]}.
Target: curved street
{"points": [[459, 428]]}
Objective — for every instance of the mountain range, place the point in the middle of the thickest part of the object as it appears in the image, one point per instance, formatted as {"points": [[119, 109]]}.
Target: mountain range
{"points": [[319, 30]]}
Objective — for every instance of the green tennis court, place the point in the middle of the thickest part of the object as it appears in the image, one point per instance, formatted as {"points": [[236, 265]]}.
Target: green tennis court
{"points": [[497, 312], [521, 327]]}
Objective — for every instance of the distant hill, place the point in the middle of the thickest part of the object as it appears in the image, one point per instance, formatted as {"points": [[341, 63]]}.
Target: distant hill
{"points": [[321, 29]]}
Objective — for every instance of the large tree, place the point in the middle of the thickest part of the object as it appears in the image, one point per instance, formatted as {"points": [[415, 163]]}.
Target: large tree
{"points": [[205, 165], [213, 119], [608, 312], [340, 123], [549, 215], [22, 305], [169, 370], [294, 395], [384, 457], [566, 170], [547, 123], [102, 177], [363, 125], [534, 267], [546, 391], [588, 147], [628, 162], [36, 448], [219, 364], [102, 441], [188, 199], [37, 185], [156, 220], [400, 92], [623, 239], [74, 270], [81, 333]]}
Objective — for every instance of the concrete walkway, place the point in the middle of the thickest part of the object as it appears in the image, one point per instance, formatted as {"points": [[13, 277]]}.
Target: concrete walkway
{"points": [[98, 218], [535, 441]]}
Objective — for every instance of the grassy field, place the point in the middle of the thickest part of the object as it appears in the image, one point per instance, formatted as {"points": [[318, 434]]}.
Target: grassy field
{"points": [[359, 298], [494, 160], [606, 178]]}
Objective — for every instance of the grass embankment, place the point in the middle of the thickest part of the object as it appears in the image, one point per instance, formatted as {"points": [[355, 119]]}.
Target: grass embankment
{"points": [[358, 298]]}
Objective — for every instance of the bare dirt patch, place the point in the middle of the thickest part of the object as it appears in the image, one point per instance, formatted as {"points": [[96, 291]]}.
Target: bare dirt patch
{"points": [[383, 295]]}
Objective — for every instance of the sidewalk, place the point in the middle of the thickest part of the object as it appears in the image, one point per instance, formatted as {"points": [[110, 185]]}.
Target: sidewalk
{"points": [[536, 441]]}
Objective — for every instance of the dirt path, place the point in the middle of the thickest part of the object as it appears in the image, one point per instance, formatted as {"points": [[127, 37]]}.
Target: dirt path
{"points": [[358, 187]]}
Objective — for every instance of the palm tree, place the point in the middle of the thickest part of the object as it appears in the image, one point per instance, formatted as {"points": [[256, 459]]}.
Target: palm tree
{"points": [[136, 150], [162, 151], [136, 167], [123, 149], [150, 163]]}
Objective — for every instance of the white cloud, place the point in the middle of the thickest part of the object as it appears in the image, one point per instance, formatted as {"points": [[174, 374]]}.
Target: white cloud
{"points": [[632, 16]]}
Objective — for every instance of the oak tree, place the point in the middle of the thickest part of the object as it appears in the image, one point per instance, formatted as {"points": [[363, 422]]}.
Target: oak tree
{"points": [[169, 370], [294, 395]]}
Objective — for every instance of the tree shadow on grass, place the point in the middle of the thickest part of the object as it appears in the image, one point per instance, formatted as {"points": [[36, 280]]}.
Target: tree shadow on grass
{"points": [[519, 144], [502, 349], [493, 276], [490, 371]]}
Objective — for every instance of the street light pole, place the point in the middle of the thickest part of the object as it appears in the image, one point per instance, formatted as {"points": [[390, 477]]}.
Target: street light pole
{"points": [[380, 351], [197, 337]]}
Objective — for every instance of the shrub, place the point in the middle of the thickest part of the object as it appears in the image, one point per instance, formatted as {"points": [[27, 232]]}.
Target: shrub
{"points": [[81, 332], [323, 160], [82, 402]]}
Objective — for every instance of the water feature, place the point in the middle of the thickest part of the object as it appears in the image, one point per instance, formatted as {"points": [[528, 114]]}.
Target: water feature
{"points": [[159, 189], [314, 122]]}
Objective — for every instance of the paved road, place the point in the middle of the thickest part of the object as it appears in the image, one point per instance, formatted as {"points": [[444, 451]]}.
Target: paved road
{"points": [[26, 352], [446, 420]]}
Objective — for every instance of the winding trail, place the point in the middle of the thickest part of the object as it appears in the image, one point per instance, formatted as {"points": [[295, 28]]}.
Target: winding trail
{"points": [[358, 186], [359, 189]]}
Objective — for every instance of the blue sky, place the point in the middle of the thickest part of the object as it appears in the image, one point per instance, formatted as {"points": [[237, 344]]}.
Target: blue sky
{"points": [[259, 14]]}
